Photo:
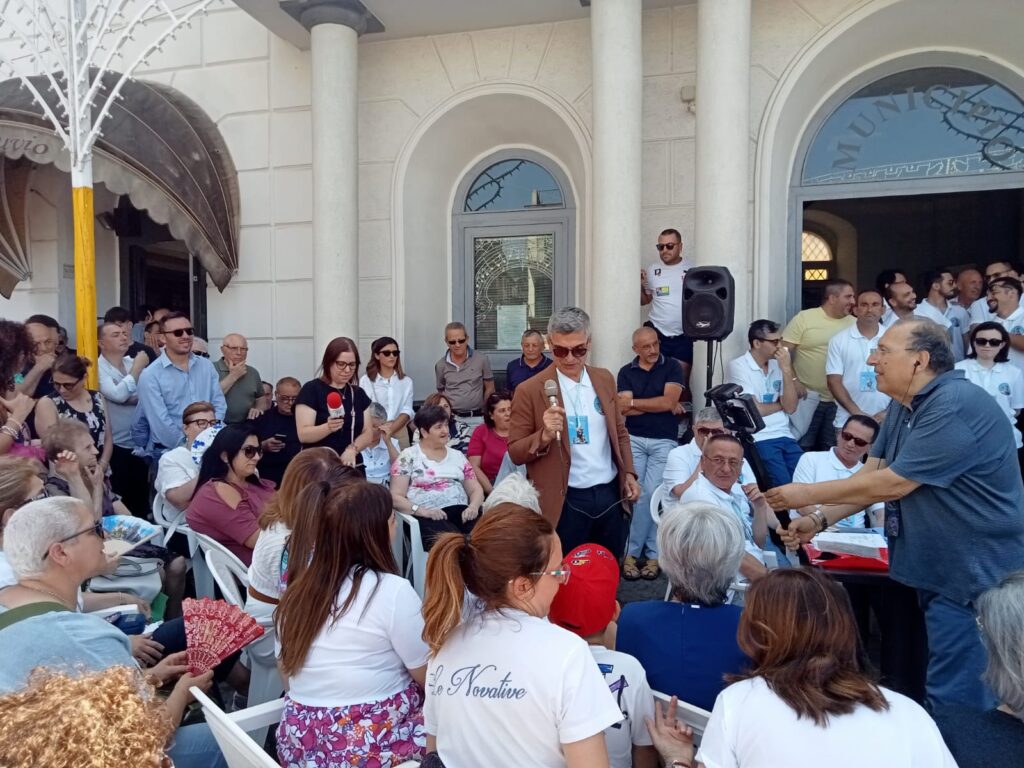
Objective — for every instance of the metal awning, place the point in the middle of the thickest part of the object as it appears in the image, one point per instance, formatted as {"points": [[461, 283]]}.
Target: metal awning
{"points": [[157, 146]]}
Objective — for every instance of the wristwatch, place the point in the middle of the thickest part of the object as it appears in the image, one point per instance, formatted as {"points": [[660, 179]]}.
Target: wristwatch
{"points": [[415, 508]]}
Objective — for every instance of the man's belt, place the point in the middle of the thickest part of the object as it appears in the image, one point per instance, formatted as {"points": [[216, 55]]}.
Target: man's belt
{"points": [[469, 414]]}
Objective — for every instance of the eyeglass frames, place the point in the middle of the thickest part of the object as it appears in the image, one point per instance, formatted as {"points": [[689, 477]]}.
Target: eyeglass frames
{"points": [[66, 385], [96, 529], [562, 574], [251, 451], [345, 366], [205, 423], [579, 352], [978, 342], [859, 442], [666, 246], [179, 332], [711, 431], [389, 352], [456, 342]]}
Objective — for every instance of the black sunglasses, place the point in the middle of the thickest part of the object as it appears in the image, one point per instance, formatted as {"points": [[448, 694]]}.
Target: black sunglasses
{"points": [[96, 528], [979, 342], [453, 342], [179, 332], [666, 246], [390, 352], [578, 352], [860, 443], [69, 385], [251, 451]]}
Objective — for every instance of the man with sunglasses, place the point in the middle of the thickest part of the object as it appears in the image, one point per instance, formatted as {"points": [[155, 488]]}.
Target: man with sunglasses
{"points": [[944, 464], [173, 381], [464, 375], [766, 372], [855, 438], [568, 429], [661, 287], [683, 463]]}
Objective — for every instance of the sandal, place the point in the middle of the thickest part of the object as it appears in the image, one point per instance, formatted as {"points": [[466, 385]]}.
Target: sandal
{"points": [[650, 571], [629, 570]]}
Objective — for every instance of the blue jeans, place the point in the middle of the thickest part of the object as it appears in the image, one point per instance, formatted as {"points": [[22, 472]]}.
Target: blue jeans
{"points": [[649, 455], [193, 746], [956, 655], [780, 457]]}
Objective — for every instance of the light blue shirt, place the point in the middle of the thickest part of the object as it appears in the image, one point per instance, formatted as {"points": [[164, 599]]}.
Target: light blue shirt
{"points": [[166, 390]]}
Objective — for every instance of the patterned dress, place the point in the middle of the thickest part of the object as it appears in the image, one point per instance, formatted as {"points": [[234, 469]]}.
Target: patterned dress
{"points": [[95, 420]]}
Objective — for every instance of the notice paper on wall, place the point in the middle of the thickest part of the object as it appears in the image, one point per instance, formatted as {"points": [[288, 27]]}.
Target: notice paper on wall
{"points": [[511, 324]]}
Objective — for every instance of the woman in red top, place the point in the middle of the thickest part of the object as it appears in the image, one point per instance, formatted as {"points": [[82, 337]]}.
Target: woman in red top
{"points": [[229, 496], [489, 443]]}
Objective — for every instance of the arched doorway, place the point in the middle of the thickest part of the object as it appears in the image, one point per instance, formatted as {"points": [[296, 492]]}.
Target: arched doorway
{"points": [[925, 162], [513, 260]]}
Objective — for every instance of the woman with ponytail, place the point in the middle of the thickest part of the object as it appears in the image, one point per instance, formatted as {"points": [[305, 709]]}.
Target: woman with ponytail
{"points": [[353, 665], [505, 688]]}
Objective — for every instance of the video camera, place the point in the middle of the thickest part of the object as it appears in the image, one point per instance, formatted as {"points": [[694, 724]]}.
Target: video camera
{"points": [[738, 410]]}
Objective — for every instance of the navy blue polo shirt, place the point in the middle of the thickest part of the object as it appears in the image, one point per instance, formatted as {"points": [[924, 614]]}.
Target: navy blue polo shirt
{"points": [[962, 530], [517, 371], [647, 384]]}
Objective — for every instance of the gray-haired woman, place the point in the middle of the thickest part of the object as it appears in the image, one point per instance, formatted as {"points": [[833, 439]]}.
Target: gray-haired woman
{"points": [[688, 644], [996, 737]]}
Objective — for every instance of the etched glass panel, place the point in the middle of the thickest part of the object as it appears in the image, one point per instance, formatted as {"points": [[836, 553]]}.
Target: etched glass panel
{"points": [[513, 288], [513, 185]]}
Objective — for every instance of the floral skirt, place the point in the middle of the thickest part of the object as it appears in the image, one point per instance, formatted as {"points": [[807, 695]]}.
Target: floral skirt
{"points": [[380, 734]]}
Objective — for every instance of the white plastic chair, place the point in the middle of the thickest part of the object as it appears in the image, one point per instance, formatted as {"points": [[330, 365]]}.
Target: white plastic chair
{"points": [[231, 575], [173, 521], [232, 732], [416, 568], [658, 499], [691, 714]]}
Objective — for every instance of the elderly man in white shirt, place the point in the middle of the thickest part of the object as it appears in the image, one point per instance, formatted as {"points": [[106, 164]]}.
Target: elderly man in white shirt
{"points": [[718, 484], [682, 466], [850, 379], [852, 444]]}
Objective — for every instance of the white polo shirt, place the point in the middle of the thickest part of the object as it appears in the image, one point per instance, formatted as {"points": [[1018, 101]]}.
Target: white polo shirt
{"points": [[1004, 382], [979, 311], [591, 461], [766, 387], [665, 284], [735, 501], [682, 461], [955, 320], [1014, 325], [822, 466], [847, 356]]}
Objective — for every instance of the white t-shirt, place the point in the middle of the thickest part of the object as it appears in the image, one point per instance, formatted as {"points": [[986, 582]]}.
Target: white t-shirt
{"points": [[847, 356], [1014, 325], [954, 320], [394, 394], [665, 284], [682, 461], [735, 501], [1004, 382], [265, 568], [175, 469], [436, 484], [822, 466], [365, 655], [627, 681], [752, 727], [766, 388], [508, 689], [590, 461], [979, 311]]}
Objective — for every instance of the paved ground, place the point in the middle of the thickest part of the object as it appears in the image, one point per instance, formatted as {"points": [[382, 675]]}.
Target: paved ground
{"points": [[634, 591]]}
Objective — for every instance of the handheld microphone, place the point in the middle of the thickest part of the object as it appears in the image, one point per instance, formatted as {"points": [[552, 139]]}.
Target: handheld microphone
{"points": [[335, 408], [551, 392]]}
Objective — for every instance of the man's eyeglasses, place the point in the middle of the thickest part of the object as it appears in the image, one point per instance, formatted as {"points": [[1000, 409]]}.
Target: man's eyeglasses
{"points": [[562, 574], [721, 461], [345, 366], [456, 342], [978, 342], [235, 349], [776, 342], [179, 332], [66, 385], [390, 352], [287, 398], [96, 529], [578, 352], [666, 246], [860, 443], [711, 431], [251, 451], [205, 423]]}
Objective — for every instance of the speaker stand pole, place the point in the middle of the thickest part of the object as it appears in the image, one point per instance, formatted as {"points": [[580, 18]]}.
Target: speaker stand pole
{"points": [[711, 370]]}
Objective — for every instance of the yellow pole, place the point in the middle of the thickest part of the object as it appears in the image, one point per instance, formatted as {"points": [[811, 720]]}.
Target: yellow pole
{"points": [[85, 279]]}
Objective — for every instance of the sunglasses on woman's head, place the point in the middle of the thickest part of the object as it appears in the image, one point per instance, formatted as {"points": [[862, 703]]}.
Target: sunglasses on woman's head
{"points": [[981, 341], [251, 451], [578, 352]]}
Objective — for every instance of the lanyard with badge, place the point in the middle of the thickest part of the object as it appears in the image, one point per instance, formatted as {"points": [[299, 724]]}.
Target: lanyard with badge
{"points": [[868, 377], [579, 424], [771, 388]]}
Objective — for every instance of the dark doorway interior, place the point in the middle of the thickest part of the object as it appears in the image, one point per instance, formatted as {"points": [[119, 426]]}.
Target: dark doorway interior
{"points": [[155, 268], [916, 233]]}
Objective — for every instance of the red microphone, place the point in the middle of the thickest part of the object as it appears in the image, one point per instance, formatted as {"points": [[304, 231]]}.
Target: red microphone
{"points": [[335, 408]]}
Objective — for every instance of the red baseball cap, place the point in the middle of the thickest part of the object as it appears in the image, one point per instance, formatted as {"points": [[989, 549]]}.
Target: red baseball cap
{"points": [[585, 604]]}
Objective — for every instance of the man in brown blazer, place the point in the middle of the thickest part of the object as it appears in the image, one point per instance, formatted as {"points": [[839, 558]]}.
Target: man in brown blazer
{"points": [[577, 451]]}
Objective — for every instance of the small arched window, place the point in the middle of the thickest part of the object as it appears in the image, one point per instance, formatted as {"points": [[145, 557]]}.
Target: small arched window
{"points": [[513, 185], [816, 257]]}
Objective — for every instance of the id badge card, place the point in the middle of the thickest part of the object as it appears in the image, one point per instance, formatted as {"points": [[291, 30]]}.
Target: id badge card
{"points": [[868, 381], [893, 519], [768, 397], [579, 430]]}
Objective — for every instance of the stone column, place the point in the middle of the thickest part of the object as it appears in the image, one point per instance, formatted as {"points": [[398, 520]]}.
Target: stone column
{"points": [[722, 228], [334, 27], [617, 63]]}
